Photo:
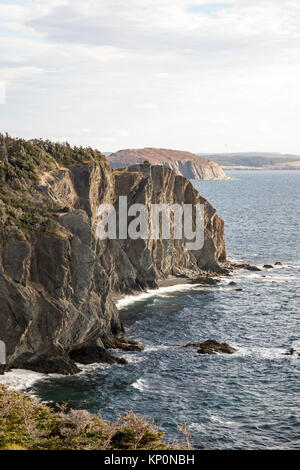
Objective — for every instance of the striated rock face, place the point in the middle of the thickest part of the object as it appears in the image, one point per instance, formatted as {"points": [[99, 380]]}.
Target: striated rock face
{"points": [[54, 291], [183, 163], [157, 259], [55, 287]]}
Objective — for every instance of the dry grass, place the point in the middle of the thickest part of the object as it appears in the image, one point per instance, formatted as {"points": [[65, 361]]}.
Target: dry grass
{"points": [[26, 424]]}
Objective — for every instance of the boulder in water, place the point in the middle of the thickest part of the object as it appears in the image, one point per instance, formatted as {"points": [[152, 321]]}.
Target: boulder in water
{"points": [[127, 344], [290, 352], [212, 347], [249, 267]]}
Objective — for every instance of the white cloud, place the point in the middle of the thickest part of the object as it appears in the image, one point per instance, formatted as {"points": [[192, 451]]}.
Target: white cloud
{"points": [[147, 106], [153, 73]]}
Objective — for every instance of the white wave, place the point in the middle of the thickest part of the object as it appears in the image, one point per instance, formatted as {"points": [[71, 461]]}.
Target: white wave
{"points": [[264, 353], [161, 292], [218, 419], [133, 359], [23, 380], [197, 427], [296, 345], [266, 276], [19, 379], [140, 384], [295, 265], [87, 368], [159, 347]]}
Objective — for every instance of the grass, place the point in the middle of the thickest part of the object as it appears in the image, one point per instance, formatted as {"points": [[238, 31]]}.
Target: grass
{"points": [[27, 424]]}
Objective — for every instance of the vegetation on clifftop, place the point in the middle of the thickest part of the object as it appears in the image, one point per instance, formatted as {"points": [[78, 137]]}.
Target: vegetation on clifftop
{"points": [[22, 207], [26, 424]]}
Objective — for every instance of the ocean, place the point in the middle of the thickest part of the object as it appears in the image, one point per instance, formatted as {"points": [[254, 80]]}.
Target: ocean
{"points": [[248, 400]]}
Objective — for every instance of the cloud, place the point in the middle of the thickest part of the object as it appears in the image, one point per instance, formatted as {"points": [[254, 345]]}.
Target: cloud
{"points": [[210, 9], [168, 25], [147, 106], [191, 74]]}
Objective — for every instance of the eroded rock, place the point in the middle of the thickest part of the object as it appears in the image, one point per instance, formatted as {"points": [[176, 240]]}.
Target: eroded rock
{"points": [[212, 347], [55, 288], [249, 267], [127, 344]]}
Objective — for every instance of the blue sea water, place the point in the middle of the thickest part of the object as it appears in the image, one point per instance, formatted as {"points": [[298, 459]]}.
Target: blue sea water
{"points": [[249, 400]]}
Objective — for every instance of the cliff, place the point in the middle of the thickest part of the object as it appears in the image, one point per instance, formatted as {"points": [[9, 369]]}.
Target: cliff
{"points": [[183, 163], [56, 276]]}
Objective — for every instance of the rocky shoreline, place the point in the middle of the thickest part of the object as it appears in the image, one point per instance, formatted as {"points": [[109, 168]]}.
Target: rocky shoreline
{"points": [[121, 343], [57, 279]]}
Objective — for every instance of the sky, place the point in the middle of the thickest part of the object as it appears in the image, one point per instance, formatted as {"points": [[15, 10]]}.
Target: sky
{"points": [[193, 75]]}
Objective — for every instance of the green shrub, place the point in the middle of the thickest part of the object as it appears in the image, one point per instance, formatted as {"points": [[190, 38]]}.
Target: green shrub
{"points": [[23, 208]]}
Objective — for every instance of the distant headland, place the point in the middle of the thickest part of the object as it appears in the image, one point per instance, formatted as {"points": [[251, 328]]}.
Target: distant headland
{"points": [[183, 163], [255, 161]]}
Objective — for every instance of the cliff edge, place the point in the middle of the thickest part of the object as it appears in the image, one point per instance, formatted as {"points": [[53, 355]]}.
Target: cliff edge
{"points": [[56, 276]]}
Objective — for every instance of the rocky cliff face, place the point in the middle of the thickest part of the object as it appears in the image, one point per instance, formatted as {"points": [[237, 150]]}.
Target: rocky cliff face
{"points": [[157, 259], [55, 285], [183, 163]]}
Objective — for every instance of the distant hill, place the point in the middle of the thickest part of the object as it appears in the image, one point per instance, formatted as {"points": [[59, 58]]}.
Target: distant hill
{"points": [[183, 163], [255, 160]]}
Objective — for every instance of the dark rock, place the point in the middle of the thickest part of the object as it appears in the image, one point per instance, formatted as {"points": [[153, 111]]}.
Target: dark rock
{"points": [[249, 267], [239, 290], [278, 263], [232, 283], [52, 362], [223, 271], [268, 266], [210, 281], [121, 360], [252, 268], [213, 347], [126, 344], [91, 354], [290, 352]]}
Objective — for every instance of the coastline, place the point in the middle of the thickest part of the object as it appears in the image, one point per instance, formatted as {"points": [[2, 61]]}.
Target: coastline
{"points": [[23, 379], [162, 283]]}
